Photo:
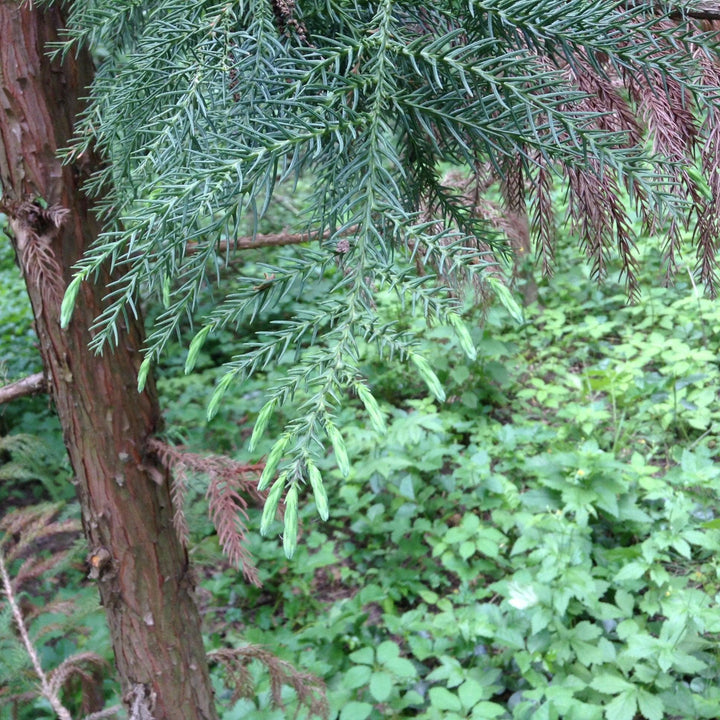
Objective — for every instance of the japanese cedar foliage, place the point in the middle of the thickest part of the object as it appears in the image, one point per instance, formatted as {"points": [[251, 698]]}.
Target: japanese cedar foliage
{"points": [[201, 107]]}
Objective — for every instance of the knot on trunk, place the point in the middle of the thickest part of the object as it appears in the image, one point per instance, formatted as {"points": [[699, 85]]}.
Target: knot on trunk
{"points": [[140, 702]]}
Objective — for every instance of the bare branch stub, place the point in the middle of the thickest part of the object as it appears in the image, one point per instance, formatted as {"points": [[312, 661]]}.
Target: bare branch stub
{"points": [[30, 385]]}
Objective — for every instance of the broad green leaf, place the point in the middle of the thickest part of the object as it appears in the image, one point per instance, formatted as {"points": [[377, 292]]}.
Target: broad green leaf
{"points": [[485, 710], [632, 571], [354, 710], [381, 686], [470, 693], [610, 684], [357, 676], [442, 699], [623, 707], [386, 651], [401, 667], [651, 706], [363, 656]]}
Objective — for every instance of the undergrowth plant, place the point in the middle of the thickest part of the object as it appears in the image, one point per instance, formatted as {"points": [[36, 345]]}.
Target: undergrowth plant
{"points": [[543, 544]]}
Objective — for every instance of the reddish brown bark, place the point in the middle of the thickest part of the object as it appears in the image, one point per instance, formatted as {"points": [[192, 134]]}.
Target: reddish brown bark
{"points": [[140, 566]]}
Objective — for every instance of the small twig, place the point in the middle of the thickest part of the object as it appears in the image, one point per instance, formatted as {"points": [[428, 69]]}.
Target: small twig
{"points": [[45, 687], [31, 385], [250, 242], [698, 10], [107, 712]]}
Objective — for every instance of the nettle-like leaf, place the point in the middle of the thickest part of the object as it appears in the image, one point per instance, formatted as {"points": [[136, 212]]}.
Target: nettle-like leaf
{"points": [[203, 108]]}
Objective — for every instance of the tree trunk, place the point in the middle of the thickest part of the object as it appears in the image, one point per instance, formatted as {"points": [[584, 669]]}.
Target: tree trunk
{"points": [[139, 564]]}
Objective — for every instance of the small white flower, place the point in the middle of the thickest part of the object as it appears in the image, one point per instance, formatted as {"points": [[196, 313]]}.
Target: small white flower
{"points": [[522, 596]]}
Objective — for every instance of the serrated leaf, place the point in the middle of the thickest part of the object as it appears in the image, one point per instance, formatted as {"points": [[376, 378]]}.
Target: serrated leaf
{"points": [[363, 656], [485, 710], [632, 571], [651, 706], [386, 651], [355, 710], [442, 699], [357, 676], [381, 685], [402, 667], [470, 693], [610, 684], [623, 707]]}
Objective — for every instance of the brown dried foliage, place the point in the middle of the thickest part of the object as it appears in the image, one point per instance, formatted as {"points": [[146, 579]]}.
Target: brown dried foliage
{"points": [[35, 537], [39, 225], [636, 105], [309, 689], [230, 483]]}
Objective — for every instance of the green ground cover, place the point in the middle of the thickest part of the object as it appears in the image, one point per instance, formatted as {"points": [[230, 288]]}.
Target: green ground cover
{"points": [[541, 545]]}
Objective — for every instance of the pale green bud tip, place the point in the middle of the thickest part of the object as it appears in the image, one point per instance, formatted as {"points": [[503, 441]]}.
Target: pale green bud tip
{"points": [[428, 376], [273, 461], [195, 346], [143, 374], [68, 303], [463, 335], [373, 409], [316, 483], [261, 423], [220, 390], [271, 504], [338, 444], [291, 522], [503, 294]]}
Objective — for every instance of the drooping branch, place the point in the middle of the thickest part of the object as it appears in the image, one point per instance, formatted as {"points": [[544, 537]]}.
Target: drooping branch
{"points": [[31, 385]]}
